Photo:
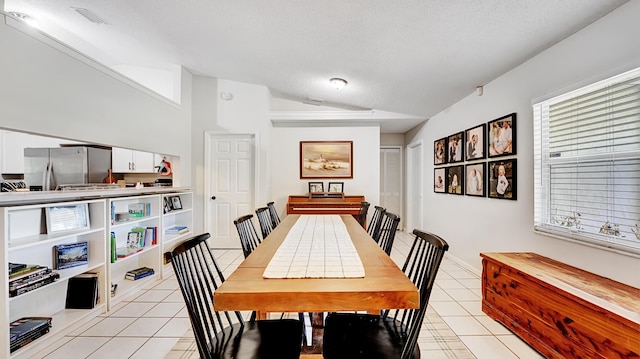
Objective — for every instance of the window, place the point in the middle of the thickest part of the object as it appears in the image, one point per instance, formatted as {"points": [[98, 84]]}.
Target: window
{"points": [[587, 164]]}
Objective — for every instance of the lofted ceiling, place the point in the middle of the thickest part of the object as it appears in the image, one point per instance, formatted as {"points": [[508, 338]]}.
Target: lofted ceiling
{"points": [[411, 57]]}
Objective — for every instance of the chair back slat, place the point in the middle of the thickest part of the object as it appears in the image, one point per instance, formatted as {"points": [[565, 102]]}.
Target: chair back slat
{"points": [[362, 214], [249, 238], [388, 230], [264, 219], [376, 222], [199, 275], [275, 219], [421, 266]]}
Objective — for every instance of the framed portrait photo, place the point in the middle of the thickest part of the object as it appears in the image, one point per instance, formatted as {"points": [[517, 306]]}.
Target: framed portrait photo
{"points": [[316, 187], [474, 180], [176, 203], [503, 179], [455, 179], [326, 159], [455, 152], [475, 143], [440, 151], [336, 187], [439, 180], [501, 134]]}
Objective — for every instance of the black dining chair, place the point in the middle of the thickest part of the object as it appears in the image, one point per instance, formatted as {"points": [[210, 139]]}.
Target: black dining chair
{"points": [[264, 219], [388, 230], [249, 238], [362, 214], [275, 219], [394, 333], [376, 221], [222, 334]]}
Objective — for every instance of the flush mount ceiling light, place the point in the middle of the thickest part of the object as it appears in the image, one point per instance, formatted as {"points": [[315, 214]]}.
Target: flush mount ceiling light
{"points": [[25, 18], [338, 83]]}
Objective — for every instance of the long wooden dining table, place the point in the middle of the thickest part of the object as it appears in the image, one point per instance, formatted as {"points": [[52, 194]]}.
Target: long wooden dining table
{"points": [[384, 285]]}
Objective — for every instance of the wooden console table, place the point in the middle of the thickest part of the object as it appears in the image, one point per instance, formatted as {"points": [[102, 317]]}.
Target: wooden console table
{"points": [[325, 204], [561, 311]]}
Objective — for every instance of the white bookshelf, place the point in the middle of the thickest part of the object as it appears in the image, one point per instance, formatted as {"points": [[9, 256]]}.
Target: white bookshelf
{"points": [[177, 217], [150, 254], [25, 240]]}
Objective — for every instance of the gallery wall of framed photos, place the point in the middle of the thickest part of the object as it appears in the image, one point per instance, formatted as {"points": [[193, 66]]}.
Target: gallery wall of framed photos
{"points": [[479, 161]]}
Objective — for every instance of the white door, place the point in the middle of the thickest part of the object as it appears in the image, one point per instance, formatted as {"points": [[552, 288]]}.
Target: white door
{"points": [[230, 178], [414, 187], [391, 181]]}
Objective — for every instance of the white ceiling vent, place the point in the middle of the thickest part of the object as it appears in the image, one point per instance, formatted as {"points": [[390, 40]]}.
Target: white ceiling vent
{"points": [[89, 15]]}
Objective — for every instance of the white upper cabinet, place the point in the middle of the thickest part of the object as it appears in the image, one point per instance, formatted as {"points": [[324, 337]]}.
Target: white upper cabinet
{"points": [[127, 161]]}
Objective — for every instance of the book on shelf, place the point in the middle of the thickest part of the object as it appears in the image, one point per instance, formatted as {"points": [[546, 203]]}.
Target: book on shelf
{"points": [[32, 281], [25, 330], [71, 255], [123, 252], [176, 230], [83, 291], [28, 270], [139, 273], [136, 237], [16, 267], [139, 210]]}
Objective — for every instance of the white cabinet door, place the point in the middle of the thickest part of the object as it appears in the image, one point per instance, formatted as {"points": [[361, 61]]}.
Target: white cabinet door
{"points": [[121, 160], [142, 161], [13, 145]]}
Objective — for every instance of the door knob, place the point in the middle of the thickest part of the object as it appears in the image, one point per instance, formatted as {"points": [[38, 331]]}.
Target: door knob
{"points": [[213, 197]]}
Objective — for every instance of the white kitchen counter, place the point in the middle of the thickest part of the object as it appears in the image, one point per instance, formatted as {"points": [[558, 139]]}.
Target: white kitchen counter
{"points": [[23, 198]]}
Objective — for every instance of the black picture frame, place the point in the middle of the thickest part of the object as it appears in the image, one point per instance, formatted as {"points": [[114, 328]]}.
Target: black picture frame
{"points": [[335, 187], [439, 180], [455, 179], [440, 151], [176, 203], [474, 175], [167, 205], [475, 144], [501, 136], [455, 147], [503, 183], [316, 187]]}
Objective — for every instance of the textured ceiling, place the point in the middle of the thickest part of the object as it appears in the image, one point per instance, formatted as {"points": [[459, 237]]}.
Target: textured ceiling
{"points": [[414, 57]]}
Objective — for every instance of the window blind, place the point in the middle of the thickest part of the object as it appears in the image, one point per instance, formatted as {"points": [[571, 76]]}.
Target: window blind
{"points": [[587, 163]]}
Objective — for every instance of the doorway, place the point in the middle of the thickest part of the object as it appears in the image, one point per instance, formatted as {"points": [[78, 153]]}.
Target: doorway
{"points": [[414, 186], [229, 185], [391, 181]]}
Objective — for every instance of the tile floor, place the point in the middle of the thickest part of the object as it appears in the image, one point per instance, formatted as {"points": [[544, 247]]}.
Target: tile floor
{"points": [[154, 324]]}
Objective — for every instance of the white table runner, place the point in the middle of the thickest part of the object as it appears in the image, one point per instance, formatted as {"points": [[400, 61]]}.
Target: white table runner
{"points": [[317, 246]]}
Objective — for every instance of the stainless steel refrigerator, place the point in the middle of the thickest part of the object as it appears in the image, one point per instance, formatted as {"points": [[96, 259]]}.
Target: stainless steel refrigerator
{"points": [[46, 168]]}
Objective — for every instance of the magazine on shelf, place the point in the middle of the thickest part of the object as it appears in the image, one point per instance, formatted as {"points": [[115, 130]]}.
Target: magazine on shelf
{"points": [[139, 273], [25, 330], [83, 291], [176, 230]]}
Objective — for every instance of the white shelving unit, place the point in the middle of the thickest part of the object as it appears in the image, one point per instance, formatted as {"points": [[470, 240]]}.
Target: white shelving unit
{"points": [[176, 217], [25, 240], [149, 256]]}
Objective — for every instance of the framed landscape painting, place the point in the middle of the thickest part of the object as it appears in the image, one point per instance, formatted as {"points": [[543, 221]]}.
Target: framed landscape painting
{"points": [[326, 159]]}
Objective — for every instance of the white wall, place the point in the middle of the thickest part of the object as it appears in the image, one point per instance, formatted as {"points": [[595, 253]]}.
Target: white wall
{"points": [[46, 91], [285, 165], [472, 225]]}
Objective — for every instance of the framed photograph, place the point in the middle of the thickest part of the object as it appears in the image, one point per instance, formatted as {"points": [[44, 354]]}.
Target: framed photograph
{"points": [[316, 187], [439, 182], [167, 205], [440, 151], [455, 153], [501, 134], [336, 186], [175, 202], [475, 143], [502, 179], [474, 178], [67, 218], [455, 179], [71, 255], [326, 159]]}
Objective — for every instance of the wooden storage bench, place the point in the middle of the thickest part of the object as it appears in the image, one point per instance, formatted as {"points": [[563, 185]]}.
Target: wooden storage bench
{"points": [[561, 311]]}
